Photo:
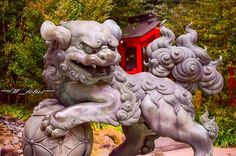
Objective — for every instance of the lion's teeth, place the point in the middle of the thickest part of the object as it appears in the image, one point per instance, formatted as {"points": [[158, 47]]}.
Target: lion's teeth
{"points": [[94, 66]]}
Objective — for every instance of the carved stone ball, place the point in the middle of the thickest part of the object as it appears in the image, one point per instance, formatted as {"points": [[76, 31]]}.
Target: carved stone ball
{"points": [[36, 143]]}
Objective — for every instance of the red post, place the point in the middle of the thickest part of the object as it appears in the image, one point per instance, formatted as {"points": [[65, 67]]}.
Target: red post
{"points": [[122, 52], [139, 58], [232, 85]]}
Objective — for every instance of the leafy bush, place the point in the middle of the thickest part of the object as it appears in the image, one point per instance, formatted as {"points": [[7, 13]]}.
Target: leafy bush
{"points": [[99, 126], [18, 111], [225, 118], [21, 46]]}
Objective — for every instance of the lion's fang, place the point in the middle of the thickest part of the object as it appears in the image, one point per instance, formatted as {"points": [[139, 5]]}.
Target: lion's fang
{"points": [[94, 66]]}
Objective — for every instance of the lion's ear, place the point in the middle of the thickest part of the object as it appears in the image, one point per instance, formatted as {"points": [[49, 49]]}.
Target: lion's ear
{"points": [[116, 31], [50, 32]]}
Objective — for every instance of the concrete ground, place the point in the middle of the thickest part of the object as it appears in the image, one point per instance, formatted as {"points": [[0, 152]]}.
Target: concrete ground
{"points": [[189, 152], [169, 147]]}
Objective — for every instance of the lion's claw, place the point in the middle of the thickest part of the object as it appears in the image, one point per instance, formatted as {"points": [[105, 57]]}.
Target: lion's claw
{"points": [[56, 133], [50, 130]]}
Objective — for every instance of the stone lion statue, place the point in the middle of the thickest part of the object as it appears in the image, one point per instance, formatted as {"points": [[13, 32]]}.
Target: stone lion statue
{"points": [[82, 67]]}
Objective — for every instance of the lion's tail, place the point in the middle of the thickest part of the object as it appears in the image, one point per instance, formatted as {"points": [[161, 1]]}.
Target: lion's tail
{"points": [[188, 64], [210, 125]]}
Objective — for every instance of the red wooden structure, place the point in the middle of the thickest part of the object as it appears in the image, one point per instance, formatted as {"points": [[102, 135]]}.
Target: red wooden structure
{"points": [[142, 30], [232, 85]]}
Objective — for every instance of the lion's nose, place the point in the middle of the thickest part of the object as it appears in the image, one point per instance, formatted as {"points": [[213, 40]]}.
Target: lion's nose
{"points": [[107, 55]]}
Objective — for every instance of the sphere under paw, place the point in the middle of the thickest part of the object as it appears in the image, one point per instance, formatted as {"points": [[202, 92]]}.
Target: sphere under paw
{"points": [[77, 142]]}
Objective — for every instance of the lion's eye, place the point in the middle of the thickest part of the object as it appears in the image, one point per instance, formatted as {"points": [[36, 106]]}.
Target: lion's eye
{"points": [[88, 49], [80, 46]]}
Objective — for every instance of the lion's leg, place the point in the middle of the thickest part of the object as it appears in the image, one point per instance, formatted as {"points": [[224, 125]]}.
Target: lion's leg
{"points": [[199, 140], [196, 136], [181, 127], [139, 140], [103, 109]]}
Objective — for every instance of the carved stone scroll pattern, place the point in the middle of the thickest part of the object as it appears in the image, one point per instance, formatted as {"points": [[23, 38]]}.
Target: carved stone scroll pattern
{"points": [[187, 63]]}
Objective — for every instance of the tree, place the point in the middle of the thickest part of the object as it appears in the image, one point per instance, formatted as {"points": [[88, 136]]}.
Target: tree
{"points": [[214, 21], [22, 47], [123, 9]]}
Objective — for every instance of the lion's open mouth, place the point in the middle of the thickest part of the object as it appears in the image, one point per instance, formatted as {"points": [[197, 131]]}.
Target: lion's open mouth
{"points": [[93, 69]]}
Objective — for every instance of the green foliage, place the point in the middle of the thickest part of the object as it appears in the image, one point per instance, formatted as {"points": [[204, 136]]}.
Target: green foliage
{"points": [[98, 126], [225, 118], [15, 110], [63, 10], [214, 21], [21, 46], [123, 9]]}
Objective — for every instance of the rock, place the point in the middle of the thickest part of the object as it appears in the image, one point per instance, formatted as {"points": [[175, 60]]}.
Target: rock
{"points": [[12, 128], [11, 136], [20, 122], [19, 129], [19, 135], [20, 151], [9, 150], [17, 147], [6, 122], [7, 118], [15, 141], [7, 141], [105, 140]]}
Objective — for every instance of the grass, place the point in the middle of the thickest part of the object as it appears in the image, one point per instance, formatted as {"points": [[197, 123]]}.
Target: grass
{"points": [[225, 118], [97, 126], [18, 111]]}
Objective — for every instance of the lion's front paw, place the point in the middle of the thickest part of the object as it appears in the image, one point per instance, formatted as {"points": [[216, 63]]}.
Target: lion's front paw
{"points": [[51, 129]]}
